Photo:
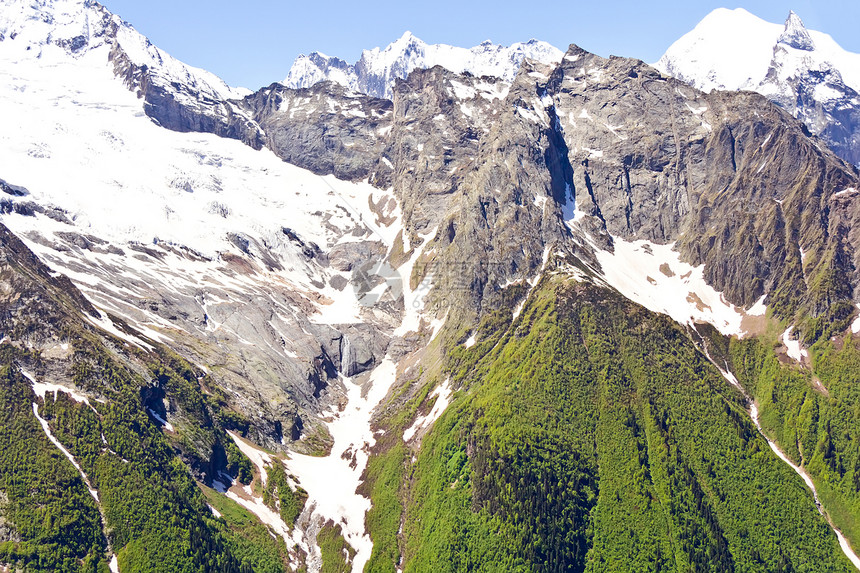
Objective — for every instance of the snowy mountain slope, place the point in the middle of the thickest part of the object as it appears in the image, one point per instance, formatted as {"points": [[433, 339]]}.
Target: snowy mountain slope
{"points": [[804, 71], [254, 269], [176, 95], [733, 49], [377, 69], [77, 27], [190, 237]]}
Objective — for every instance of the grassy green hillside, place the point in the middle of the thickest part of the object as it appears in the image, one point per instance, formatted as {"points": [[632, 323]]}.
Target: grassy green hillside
{"points": [[591, 435]]}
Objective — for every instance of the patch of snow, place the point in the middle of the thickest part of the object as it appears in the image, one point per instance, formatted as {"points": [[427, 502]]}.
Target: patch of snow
{"points": [[256, 506], [257, 456], [42, 388], [759, 308], [106, 324], [697, 110], [114, 564], [167, 425], [492, 91], [470, 342], [855, 326], [569, 212], [462, 91], [635, 269], [533, 116], [793, 347], [414, 299], [214, 511], [443, 399], [519, 309], [824, 92], [727, 374]]}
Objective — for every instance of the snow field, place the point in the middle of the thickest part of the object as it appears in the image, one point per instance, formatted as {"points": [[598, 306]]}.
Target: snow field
{"points": [[654, 276]]}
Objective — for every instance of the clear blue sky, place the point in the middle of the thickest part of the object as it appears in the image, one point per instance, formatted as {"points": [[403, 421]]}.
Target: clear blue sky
{"points": [[252, 43]]}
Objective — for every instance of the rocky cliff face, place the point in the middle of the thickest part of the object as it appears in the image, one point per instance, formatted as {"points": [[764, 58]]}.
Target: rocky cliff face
{"points": [[608, 143], [732, 178]]}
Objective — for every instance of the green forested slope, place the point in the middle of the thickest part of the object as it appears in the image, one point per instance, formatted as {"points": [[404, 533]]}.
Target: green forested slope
{"points": [[591, 435], [150, 510], [813, 415], [50, 521]]}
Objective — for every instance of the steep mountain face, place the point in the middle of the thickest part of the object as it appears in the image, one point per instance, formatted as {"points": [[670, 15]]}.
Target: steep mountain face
{"points": [[805, 72], [614, 146], [91, 473], [544, 321], [376, 71]]}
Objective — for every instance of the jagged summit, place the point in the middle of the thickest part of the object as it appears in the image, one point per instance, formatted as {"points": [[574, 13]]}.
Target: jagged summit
{"points": [[795, 34], [377, 69], [804, 71]]}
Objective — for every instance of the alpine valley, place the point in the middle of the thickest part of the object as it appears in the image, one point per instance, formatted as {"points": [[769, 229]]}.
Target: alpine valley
{"points": [[443, 309]]}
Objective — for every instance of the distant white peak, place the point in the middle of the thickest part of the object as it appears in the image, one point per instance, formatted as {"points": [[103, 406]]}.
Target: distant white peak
{"points": [[377, 70], [795, 34], [728, 49], [733, 49]]}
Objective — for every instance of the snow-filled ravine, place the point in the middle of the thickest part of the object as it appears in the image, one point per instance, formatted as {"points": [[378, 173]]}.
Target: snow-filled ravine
{"points": [[331, 481]]}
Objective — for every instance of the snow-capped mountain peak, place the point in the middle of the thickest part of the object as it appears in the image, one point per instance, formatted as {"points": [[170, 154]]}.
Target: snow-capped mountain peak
{"points": [[69, 24], [804, 71], [795, 34], [83, 28], [377, 69]]}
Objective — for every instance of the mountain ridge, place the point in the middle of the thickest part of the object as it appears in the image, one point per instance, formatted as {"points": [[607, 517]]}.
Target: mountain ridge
{"points": [[376, 70]]}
